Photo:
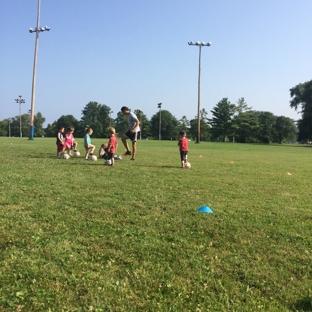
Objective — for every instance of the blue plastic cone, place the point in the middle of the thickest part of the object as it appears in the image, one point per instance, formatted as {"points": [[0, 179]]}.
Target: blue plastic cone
{"points": [[205, 209]]}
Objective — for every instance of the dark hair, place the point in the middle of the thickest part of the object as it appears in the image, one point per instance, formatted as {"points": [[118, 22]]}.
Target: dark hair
{"points": [[182, 132], [124, 108]]}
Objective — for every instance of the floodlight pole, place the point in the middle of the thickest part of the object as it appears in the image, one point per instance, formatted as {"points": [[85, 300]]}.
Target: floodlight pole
{"points": [[140, 112], [200, 45], [20, 101], [110, 118], [37, 30], [159, 106], [9, 127]]}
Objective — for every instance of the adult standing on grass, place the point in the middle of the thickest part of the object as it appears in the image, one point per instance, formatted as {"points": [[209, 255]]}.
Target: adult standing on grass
{"points": [[132, 134]]}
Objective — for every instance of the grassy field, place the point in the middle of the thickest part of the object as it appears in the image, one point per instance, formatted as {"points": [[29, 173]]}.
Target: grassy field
{"points": [[80, 236]]}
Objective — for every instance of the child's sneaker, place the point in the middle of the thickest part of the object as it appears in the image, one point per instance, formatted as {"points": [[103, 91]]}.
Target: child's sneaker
{"points": [[127, 153]]}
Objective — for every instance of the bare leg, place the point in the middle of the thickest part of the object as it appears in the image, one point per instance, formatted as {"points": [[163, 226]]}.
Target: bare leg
{"points": [[134, 149], [75, 145], [125, 143], [87, 153], [58, 153], [92, 147]]}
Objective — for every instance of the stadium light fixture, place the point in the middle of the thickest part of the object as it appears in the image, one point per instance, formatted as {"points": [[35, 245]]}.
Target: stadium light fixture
{"points": [[20, 101], [37, 30], [200, 44]]}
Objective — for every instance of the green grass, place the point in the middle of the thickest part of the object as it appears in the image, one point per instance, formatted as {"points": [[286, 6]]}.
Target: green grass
{"points": [[80, 236]]}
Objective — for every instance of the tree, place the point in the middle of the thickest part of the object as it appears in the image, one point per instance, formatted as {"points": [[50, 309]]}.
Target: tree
{"points": [[38, 124], [96, 116], [285, 129], [169, 125], [242, 106], [105, 120], [184, 123], [266, 131], [144, 124], [301, 98], [4, 127], [122, 125], [204, 126], [64, 121], [15, 125], [221, 120], [51, 130], [245, 127]]}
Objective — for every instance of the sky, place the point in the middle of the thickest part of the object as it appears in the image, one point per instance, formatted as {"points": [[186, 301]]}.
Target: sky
{"points": [[135, 53]]}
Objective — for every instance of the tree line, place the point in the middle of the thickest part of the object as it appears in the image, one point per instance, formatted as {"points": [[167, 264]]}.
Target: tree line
{"points": [[228, 122]]}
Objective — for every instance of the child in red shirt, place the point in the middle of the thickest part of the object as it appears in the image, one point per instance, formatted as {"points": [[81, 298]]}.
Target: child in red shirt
{"points": [[183, 148]]}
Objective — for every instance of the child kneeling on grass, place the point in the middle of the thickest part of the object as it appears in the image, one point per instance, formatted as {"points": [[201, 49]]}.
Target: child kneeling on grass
{"points": [[103, 151]]}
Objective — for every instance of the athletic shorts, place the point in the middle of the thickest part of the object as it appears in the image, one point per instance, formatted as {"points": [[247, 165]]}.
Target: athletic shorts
{"points": [[60, 147], [110, 155], [132, 136], [67, 145], [183, 155]]}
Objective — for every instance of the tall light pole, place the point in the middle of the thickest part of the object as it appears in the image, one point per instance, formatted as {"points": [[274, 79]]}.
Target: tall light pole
{"points": [[159, 106], [9, 126], [110, 118], [20, 101], [200, 45], [37, 30], [141, 124]]}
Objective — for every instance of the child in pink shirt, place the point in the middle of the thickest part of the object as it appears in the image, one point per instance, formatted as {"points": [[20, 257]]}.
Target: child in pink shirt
{"points": [[112, 145], [70, 142]]}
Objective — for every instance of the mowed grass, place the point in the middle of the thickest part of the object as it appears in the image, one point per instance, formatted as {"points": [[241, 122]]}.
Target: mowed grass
{"points": [[80, 236]]}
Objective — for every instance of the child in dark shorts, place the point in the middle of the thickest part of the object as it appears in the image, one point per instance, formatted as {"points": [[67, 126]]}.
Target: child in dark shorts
{"points": [[183, 148], [112, 146], [60, 142]]}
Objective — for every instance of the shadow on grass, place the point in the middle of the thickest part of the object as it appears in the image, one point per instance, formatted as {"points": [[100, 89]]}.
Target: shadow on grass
{"points": [[289, 145], [160, 166], [6, 245], [304, 305]]}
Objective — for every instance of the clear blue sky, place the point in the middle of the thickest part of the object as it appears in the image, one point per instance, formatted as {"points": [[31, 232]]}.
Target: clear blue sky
{"points": [[135, 53]]}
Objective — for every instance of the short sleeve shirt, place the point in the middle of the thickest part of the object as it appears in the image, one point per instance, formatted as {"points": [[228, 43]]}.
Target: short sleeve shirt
{"points": [[132, 118]]}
